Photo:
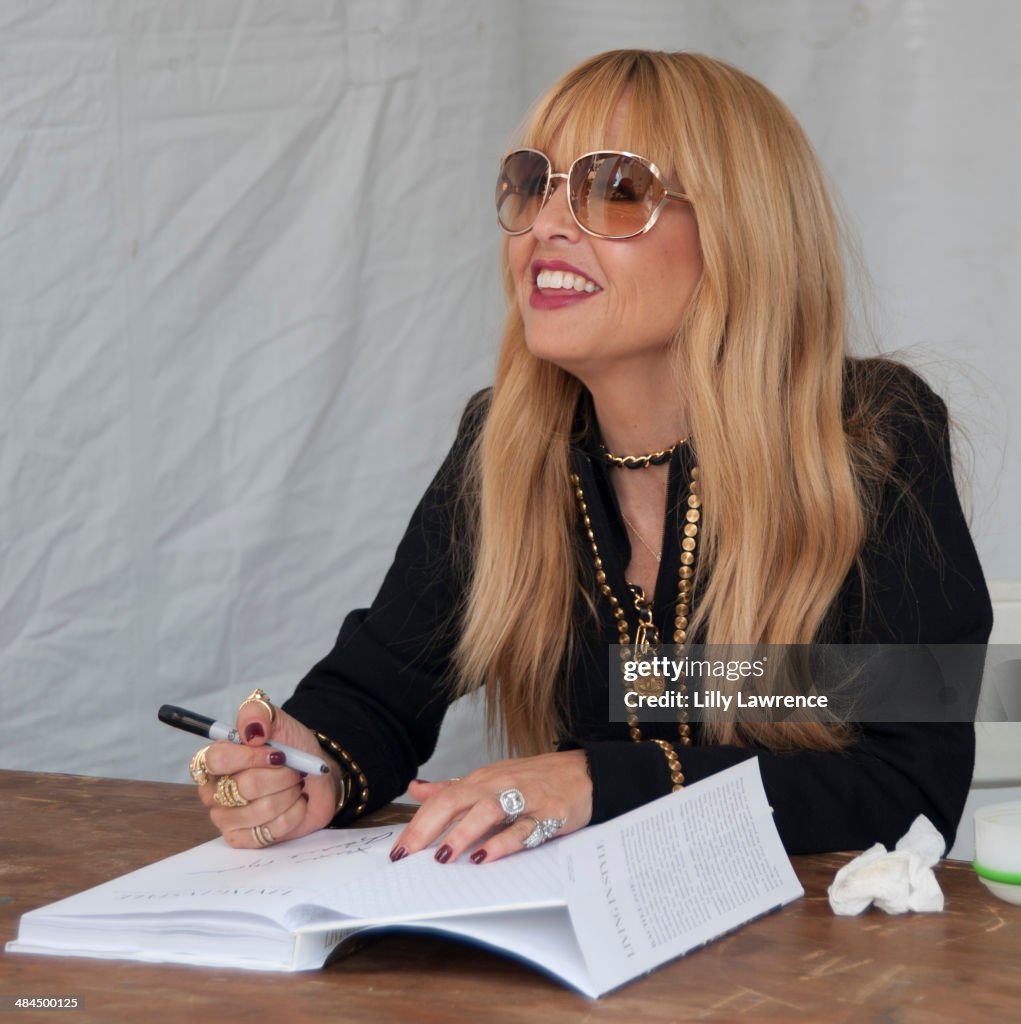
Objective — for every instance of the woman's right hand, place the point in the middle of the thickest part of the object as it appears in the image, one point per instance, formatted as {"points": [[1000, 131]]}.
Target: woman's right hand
{"points": [[280, 799]]}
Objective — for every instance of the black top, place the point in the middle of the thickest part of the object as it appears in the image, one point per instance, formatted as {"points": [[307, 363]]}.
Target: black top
{"points": [[382, 691]]}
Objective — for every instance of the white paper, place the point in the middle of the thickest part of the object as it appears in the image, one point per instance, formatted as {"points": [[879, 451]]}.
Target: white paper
{"points": [[542, 937], [662, 880], [419, 887], [214, 878]]}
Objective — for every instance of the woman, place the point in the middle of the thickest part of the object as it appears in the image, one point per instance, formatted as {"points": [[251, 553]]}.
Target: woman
{"points": [[675, 344]]}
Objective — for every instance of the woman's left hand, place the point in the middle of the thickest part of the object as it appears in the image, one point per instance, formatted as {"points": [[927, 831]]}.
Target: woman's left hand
{"points": [[555, 787]]}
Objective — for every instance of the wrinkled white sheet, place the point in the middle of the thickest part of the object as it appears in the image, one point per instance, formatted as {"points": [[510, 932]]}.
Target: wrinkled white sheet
{"points": [[248, 278]]}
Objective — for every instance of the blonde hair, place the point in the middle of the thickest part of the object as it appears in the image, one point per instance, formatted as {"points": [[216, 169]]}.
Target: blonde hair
{"points": [[762, 354]]}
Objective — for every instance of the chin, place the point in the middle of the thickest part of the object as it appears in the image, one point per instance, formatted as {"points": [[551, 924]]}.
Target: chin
{"points": [[554, 346], [567, 359]]}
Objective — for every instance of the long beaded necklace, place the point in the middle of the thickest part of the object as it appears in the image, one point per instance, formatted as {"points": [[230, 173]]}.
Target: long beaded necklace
{"points": [[646, 632]]}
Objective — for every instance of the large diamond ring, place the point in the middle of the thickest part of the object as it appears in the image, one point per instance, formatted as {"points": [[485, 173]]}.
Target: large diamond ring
{"points": [[545, 829], [512, 802]]}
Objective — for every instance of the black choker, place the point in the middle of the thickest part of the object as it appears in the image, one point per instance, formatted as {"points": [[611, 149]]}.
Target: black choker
{"points": [[638, 461]]}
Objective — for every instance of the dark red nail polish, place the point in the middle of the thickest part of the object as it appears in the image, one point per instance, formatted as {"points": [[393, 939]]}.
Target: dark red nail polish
{"points": [[478, 857], [304, 796], [304, 775], [253, 730], [443, 853], [301, 783], [398, 853], [426, 781], [277, 757]]}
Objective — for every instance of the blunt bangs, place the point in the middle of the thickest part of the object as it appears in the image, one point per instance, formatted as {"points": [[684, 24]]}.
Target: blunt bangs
{"points": [[576, 118]]}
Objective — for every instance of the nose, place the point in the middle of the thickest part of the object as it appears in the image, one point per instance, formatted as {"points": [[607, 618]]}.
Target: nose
{"points": [[555, 220]]}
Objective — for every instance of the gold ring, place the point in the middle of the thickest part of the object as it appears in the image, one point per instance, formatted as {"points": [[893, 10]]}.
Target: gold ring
{"points": [[259, 696], [227, 793], [197, 767], [262, 835]]}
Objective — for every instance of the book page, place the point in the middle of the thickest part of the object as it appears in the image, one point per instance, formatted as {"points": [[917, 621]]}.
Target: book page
{"points": [[214, 878], [668, 877], [543, 938], [419, 887]]}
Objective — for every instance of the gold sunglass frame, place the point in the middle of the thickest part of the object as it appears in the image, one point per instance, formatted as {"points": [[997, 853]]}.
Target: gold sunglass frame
{"points": [[668, 193]]}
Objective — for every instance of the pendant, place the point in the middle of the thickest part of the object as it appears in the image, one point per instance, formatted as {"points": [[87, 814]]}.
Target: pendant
{"points": [[646, 643], [652, 685]]}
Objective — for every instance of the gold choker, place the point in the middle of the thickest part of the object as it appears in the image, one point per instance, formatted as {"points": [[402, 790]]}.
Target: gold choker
{"points": [[639, 461]]}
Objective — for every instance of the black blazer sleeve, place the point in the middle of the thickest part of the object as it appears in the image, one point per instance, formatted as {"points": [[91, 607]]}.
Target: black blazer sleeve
{"points": [[382, 691], [923, 584]]}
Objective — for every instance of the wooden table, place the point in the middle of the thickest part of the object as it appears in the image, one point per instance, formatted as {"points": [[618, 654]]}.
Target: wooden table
{"points": [[60, 834]]}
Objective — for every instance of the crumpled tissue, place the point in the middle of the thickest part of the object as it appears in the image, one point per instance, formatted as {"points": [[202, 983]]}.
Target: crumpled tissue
{"points": [[897, 880]]}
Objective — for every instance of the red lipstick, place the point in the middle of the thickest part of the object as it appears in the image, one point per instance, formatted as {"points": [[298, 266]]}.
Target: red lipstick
{"points": [[556, 298]]}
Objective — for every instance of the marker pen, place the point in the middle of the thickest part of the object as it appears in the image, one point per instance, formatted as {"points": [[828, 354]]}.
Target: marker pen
{"points": [[200, 725]]}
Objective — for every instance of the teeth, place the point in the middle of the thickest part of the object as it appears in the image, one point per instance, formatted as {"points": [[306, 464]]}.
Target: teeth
{"points": [[564, 280]]}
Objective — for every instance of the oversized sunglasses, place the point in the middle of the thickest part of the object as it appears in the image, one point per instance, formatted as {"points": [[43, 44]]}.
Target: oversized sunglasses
{"points": [[611, 193]]}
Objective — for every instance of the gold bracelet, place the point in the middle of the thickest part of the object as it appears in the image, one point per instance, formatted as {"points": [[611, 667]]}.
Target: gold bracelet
{"points": [[673, 763], [350, 772]]}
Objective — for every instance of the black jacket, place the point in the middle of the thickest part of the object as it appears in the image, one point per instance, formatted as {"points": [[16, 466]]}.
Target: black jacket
{"points": [[381, 691]]}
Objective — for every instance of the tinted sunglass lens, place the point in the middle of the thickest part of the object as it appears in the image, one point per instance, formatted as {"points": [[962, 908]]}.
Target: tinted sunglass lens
{"points": [[613, 194], [520, 188]]}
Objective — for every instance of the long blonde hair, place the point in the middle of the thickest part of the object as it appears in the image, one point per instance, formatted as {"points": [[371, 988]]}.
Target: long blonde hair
{"points": [[761, 353]]}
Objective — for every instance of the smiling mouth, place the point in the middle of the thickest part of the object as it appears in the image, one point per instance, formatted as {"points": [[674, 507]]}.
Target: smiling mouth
{"points": [[564, 280]]}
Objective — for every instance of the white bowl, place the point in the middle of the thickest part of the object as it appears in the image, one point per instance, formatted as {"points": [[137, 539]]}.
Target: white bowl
{"points": [[1010, 893]]}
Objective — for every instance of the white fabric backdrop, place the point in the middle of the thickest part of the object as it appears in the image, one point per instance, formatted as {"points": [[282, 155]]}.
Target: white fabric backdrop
{"points": [[248, 279]]}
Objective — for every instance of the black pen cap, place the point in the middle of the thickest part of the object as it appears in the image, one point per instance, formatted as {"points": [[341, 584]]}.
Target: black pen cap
{"points": [[180, 718]]}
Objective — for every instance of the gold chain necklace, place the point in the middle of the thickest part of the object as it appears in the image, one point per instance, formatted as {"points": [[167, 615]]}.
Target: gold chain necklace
{"points": [[646, 634], [645, 544], [639, 461]]}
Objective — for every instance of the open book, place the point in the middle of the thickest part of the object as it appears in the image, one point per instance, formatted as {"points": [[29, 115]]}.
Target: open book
{"points": [[595, 909]]}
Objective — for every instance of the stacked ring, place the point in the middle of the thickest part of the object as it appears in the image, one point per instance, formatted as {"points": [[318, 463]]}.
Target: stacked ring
{"points": [[259, 696], [227, 793], [197, 767], [262, 835]]}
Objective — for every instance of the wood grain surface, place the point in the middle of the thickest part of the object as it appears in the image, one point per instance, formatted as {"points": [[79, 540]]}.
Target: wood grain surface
{"points": [[60, 834]]}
